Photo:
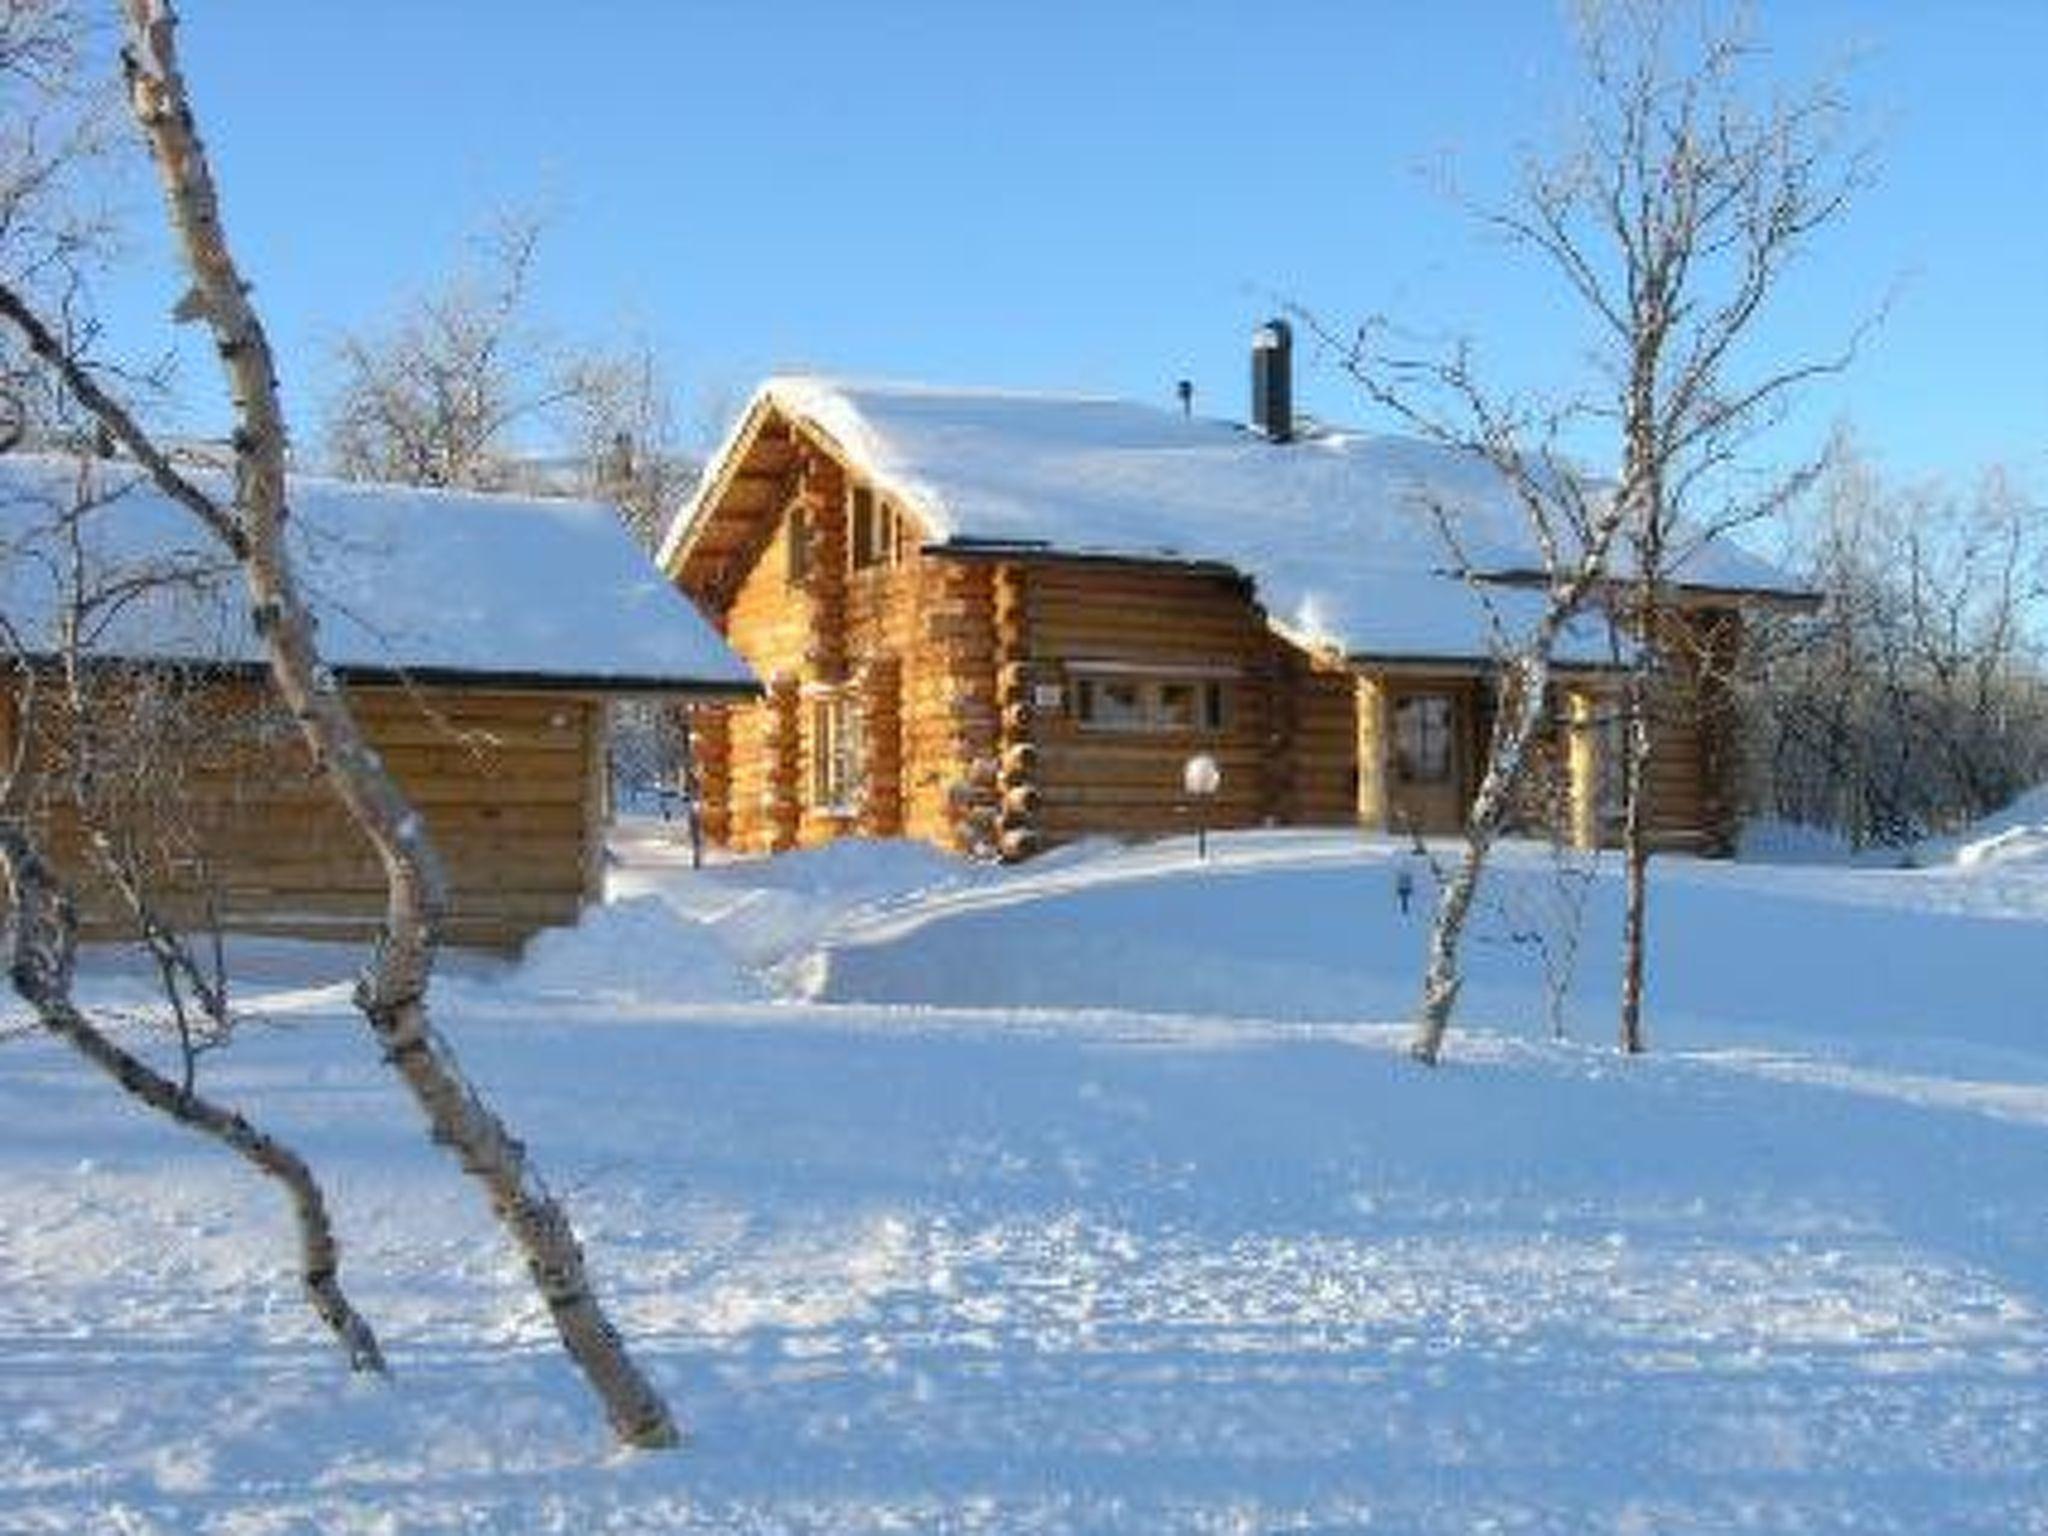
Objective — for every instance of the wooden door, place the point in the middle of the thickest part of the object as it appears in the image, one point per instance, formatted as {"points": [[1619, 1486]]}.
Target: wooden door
{"points": [[1427, 768]]}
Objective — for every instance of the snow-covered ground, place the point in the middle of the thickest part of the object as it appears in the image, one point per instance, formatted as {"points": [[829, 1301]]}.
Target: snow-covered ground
{"points": [[1098, 1196]]}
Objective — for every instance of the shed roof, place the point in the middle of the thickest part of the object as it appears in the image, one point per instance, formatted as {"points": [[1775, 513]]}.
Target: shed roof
{"points": [[442, 585], [1338, 530]]}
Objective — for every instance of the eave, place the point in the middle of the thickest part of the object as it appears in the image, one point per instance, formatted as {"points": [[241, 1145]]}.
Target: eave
{"points": [[505, 681]]}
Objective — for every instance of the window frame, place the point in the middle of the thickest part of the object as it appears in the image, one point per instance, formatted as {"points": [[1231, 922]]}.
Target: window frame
{"points": [[1148, 713], [838, 752], [796, 568], [871, 539], [1434, 760]]}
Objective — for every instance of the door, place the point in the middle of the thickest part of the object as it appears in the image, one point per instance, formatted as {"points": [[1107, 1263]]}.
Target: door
{"points": [[1426, 768]]}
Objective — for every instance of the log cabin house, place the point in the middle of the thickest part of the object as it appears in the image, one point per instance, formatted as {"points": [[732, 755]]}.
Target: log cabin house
{"points": [[1000, 621], [480, 639]]}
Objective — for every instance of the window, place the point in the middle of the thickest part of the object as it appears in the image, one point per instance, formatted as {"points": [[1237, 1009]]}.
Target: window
{"points": [[799, 547], [1422, 738], [836, 752], [1116, 702], [1610, 754], [871, 530]]}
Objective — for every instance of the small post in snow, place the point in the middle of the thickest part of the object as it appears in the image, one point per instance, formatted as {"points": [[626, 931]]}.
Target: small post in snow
{"points": [[1201, 778]]}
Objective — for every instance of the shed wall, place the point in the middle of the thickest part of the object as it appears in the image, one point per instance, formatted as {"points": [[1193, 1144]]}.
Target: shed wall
{"points": [[510, 786]]}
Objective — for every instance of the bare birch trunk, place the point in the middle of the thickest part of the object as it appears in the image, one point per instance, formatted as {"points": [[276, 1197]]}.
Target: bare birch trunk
{"points": [[692, 786], [1642, 743], [42, 942], [1635, 852], [1515, 728], [392, 991]]}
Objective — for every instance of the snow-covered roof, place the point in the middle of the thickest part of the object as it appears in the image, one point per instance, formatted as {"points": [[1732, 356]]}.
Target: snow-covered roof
{"points": [[547, 592], [1339, 531]]}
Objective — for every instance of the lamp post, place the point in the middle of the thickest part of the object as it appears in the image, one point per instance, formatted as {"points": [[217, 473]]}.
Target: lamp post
{"points": [[1201, 778]]}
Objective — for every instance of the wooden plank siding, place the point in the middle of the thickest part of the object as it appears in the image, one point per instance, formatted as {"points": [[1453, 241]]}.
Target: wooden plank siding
{"points": [[509, 784]]}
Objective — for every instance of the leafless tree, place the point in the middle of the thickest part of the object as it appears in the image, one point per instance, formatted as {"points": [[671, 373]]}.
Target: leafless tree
{"points": [[1915, 700], [1574, 525], [392, 991], [629, 453], [95, 760], [467, 387], [1669, 220], [1673, 222]]}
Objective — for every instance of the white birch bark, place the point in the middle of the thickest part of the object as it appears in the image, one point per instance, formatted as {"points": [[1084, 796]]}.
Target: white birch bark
{"points": [[392, 991]]}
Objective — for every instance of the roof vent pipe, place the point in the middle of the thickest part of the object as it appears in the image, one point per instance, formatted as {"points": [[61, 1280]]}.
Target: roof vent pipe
{"points": [[1273, 381]]}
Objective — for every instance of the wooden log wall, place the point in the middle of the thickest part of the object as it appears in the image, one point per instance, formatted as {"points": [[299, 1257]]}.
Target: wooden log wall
{"points": [[953, 661], [1018, 800], [1324, 758], [1194, 626], [1275, 679], [507, 784], [1695, 787], [768, 622], [1372, 751], [821, 501], [956, 728], [881, 633], [881, 694], [710, 727], [782, 763]]}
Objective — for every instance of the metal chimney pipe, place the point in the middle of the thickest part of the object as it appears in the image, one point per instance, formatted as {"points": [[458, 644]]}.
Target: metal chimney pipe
{"points": [[1273, 380]]}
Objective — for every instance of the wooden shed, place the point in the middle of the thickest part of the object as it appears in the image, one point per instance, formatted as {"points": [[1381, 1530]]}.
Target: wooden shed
{"points": [[479, 638], [999, 621]]}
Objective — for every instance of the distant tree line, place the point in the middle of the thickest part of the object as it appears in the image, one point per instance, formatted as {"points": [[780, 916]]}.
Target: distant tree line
{"points": [[1915, 699], [464, 387]]}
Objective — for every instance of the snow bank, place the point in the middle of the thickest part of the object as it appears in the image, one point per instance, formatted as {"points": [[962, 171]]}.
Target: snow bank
{"points": [[767, 911], [1767, 841], [1074, 1269], [635, 949], [2016, 836]]}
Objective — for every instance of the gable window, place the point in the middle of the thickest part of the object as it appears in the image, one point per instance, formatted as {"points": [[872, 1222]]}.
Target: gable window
{"points": [[1422, 738], [871, 530], [1134, 701], [798, 548], [837, 739]]}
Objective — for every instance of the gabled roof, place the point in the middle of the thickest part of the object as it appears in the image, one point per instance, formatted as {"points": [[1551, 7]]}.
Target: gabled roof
{"points": [[434, 584], [1338, 531]]}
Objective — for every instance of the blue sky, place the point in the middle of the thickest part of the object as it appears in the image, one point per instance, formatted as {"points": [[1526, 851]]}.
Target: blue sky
{"points": [[1101, 197]]}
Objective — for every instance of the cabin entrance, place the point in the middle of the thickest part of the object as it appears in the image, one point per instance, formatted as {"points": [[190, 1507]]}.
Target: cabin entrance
{"points": [[1428, 766]]}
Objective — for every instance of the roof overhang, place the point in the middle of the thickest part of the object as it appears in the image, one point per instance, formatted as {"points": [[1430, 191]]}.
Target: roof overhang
{"points": [[1682, 594], [605, 685], [1046, 554]]}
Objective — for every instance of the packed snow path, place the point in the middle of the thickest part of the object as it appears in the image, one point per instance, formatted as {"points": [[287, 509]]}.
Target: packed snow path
{"points": [[920, 1268]]}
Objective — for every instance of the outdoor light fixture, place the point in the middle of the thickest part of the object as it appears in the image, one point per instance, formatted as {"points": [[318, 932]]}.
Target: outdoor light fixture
{"points": [[1201, 778]]}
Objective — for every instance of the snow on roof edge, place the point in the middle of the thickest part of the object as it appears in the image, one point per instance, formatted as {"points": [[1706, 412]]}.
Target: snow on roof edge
{"points": [[922, 442], [403, 580]]}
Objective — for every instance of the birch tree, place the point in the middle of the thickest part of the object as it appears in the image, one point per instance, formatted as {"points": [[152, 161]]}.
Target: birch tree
{"points": [[1694, 188], [71, 760], [89, 752], [1667, 222], [1915, 700], [1573, 525], [392, 991]]}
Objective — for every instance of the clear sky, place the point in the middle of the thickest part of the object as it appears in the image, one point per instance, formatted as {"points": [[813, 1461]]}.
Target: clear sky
{"points": [[1097, 197]]}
